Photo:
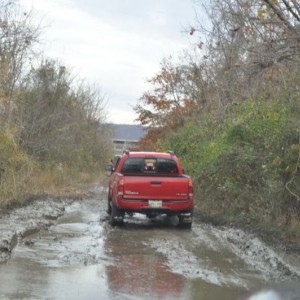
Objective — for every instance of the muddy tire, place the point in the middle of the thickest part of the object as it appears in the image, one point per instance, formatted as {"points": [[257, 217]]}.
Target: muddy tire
{"points": [[183, 225], [116, 216], [108, 205]]}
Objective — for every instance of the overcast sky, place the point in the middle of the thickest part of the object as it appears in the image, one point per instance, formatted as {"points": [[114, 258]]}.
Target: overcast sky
{"points": [[117, 44]]}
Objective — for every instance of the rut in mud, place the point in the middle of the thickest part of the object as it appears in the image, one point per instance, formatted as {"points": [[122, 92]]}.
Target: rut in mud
{"points": [[66, 249]]}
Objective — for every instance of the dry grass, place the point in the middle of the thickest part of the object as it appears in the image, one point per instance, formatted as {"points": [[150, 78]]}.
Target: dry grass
{"points": [[56, 181]]}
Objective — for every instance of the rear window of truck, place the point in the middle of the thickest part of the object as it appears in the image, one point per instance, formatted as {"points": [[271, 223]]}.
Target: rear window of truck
{"points": [[151, 166]]}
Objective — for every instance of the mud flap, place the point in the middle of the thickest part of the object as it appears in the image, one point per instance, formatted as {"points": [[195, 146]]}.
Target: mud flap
{"points": [[185, 220], [116, 216]]}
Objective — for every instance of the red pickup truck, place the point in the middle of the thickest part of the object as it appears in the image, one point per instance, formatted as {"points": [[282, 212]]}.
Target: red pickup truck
{"points": [[151, 183]]}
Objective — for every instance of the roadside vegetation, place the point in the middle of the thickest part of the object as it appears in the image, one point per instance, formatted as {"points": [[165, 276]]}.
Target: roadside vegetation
{"points": [[230, 108], [51, 132]]}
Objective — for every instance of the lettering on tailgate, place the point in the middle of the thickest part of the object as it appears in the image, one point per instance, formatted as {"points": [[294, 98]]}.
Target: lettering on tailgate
{"points": [[131, 193]]}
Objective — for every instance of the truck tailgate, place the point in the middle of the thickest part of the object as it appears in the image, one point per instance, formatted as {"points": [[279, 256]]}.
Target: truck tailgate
{"points": [[156, 188]]}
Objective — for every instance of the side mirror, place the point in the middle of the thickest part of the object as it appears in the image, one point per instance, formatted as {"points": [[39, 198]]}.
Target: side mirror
{"points": [[109, 168]]}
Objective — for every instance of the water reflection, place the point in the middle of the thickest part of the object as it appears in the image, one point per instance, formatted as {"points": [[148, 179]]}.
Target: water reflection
{"points": [[143, 276]]}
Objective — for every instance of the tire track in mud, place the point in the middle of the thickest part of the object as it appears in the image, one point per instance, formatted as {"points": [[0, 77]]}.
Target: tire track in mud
{"points": [[76, 239], [24, 221], [224, 257], [186, 263], [257, 254], [35, 217]]}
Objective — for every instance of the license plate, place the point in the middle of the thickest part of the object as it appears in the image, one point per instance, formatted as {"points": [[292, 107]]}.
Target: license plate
{"points": [[155, 204]]}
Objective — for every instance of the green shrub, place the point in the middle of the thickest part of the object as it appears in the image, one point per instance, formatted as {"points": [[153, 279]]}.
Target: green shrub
{"points": [[246, 163]]}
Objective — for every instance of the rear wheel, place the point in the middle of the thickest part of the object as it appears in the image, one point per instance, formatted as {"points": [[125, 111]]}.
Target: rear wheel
{"points": [[109, 205], [116, 215], [184, 225]]}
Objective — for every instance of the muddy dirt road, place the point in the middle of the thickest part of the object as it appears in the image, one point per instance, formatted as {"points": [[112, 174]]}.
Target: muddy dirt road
{"points": [[67, 250]]}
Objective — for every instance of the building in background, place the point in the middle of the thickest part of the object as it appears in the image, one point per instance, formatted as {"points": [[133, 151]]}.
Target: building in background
{"points": [[125, 136]]}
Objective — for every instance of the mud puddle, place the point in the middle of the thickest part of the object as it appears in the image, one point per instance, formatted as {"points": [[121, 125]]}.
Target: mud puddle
{"points": [[67, 250]]}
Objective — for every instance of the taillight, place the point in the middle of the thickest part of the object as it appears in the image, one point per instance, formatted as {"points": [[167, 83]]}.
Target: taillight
{"points": [[120, 187], [191, 190]]}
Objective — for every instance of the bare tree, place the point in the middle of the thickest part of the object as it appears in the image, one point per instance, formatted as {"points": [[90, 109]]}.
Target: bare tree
{"points": [[247, 42], [60, 117], [17, 38]]}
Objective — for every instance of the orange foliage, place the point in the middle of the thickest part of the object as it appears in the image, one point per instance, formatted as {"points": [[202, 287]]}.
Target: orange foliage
{"points": [[166, 106]]}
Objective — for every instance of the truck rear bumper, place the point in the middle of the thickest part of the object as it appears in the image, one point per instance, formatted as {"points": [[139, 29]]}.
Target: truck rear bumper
{"points": [[165, 207]]}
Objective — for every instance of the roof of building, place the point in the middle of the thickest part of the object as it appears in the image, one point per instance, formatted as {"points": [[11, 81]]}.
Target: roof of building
{"points": [[128, 132]]}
